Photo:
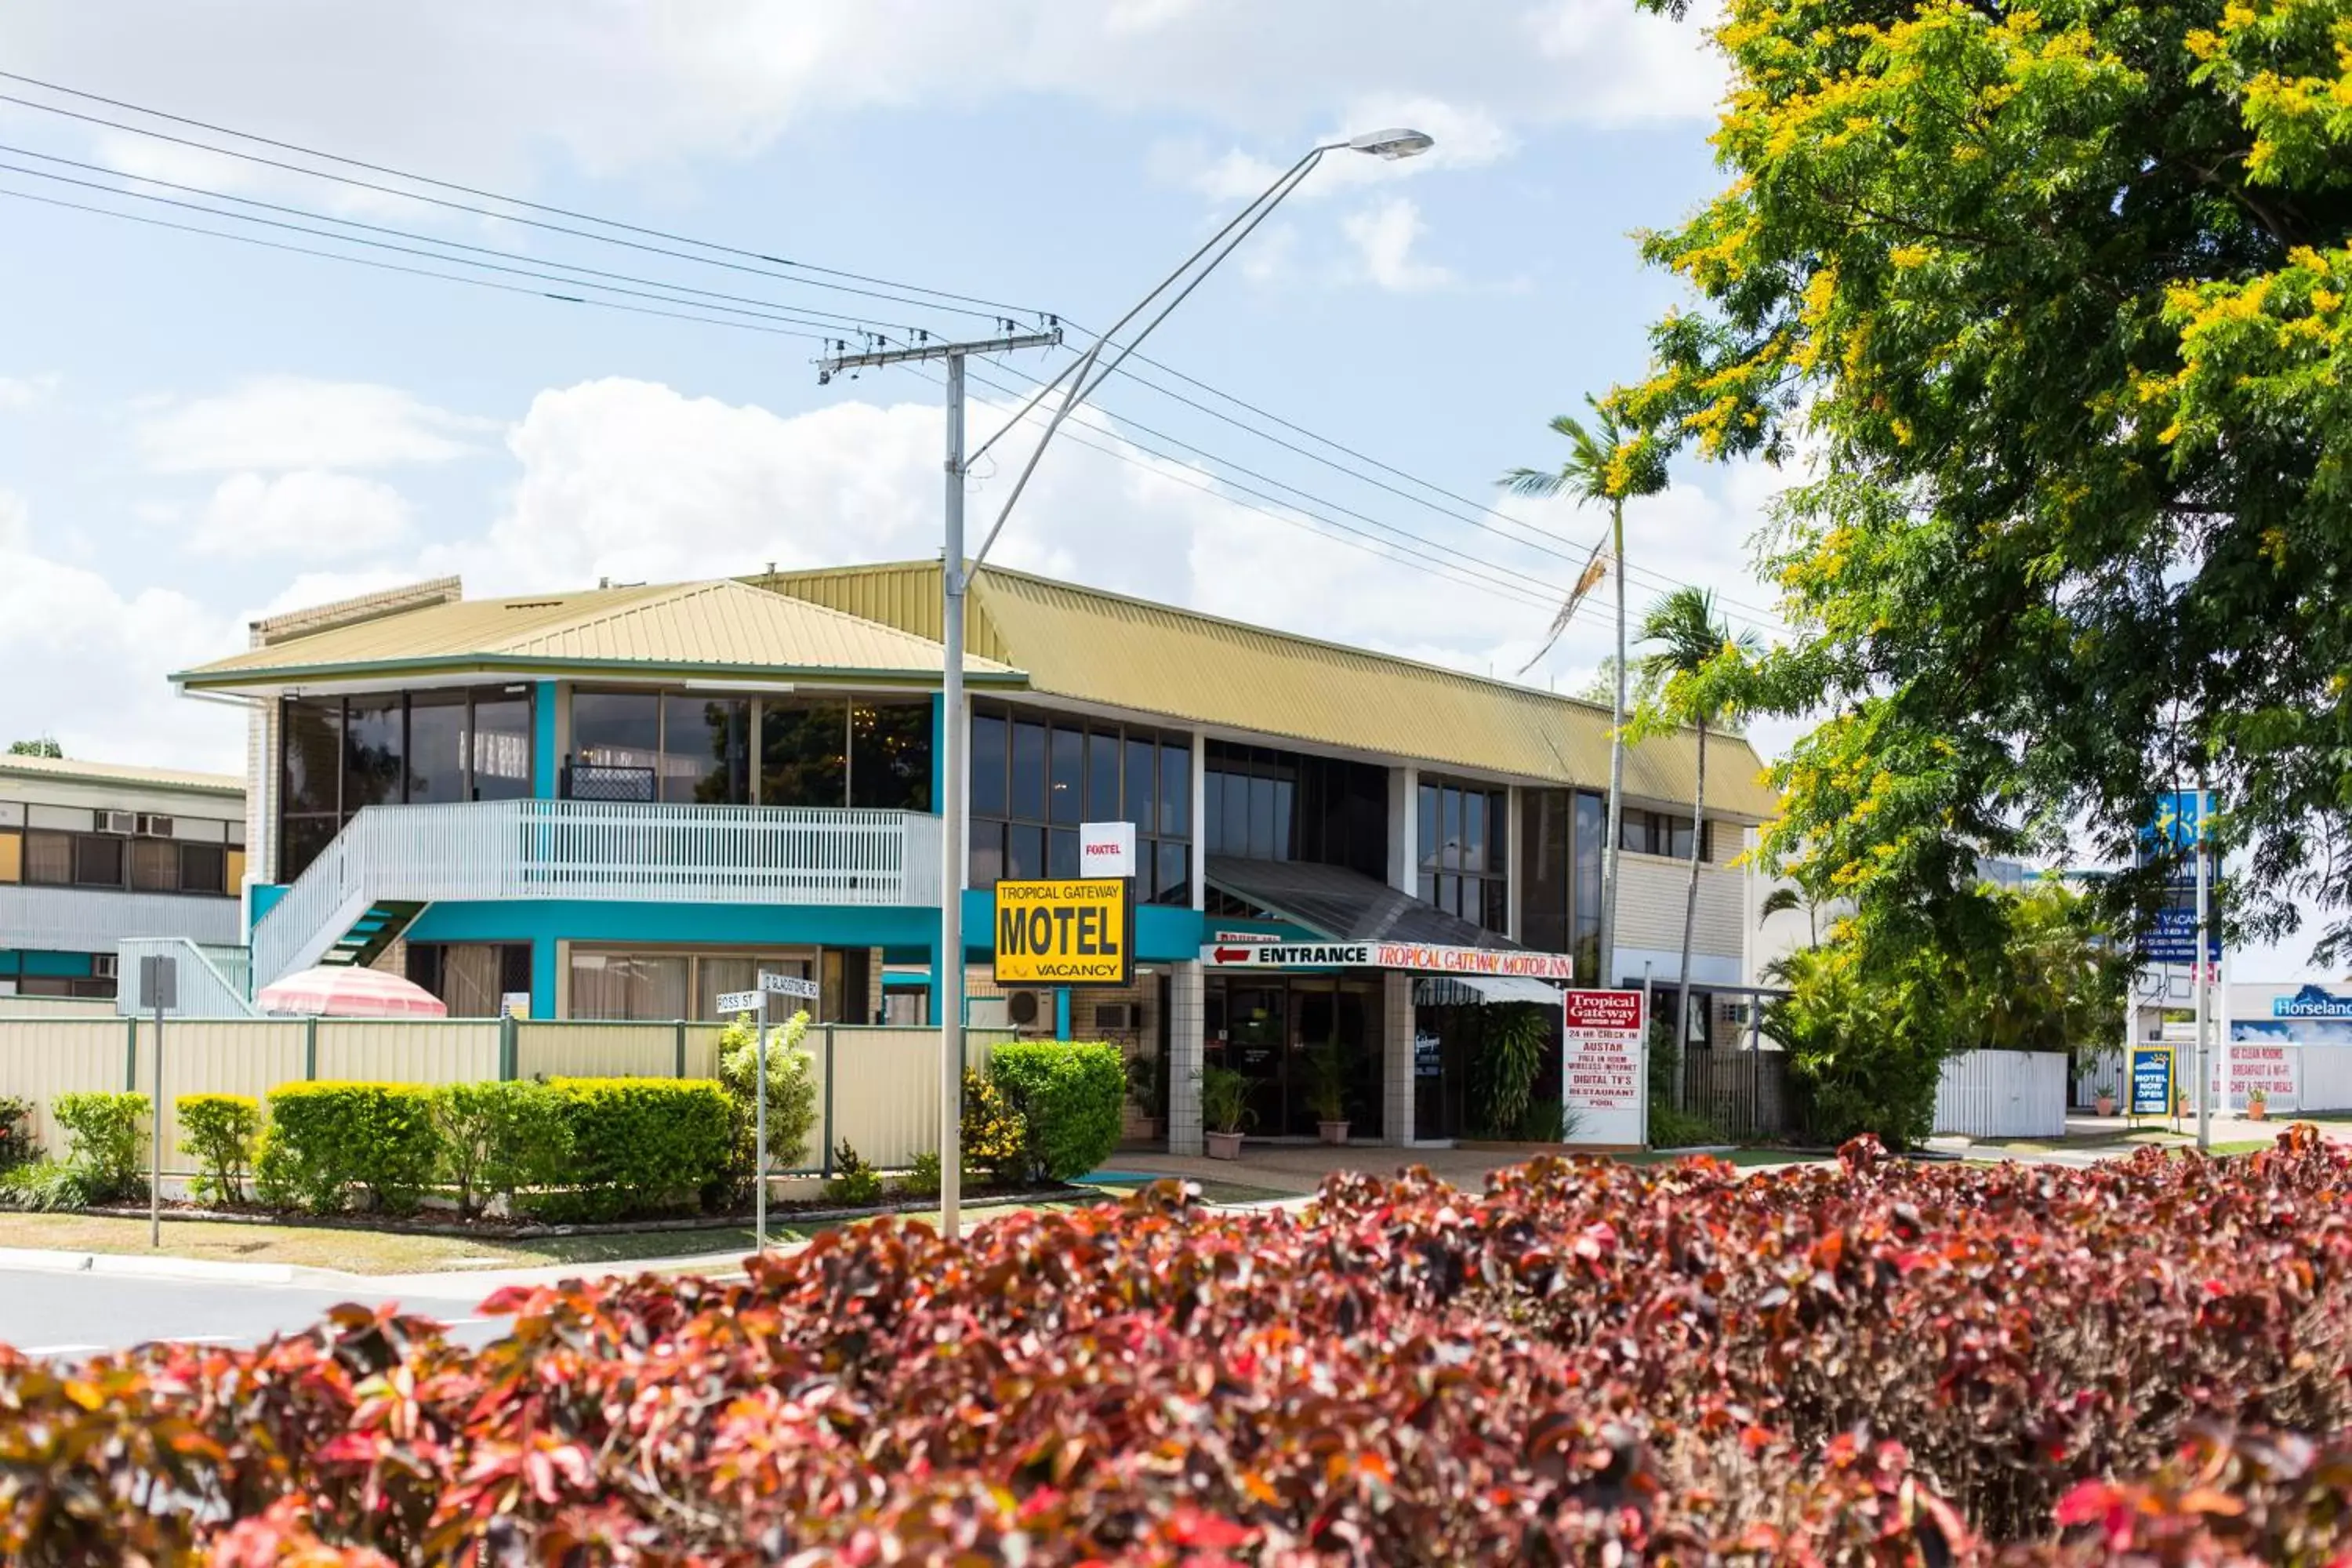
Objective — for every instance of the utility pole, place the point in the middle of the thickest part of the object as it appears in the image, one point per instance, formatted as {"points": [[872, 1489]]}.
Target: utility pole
{"points": [[954, 581], [2204, 1059]]}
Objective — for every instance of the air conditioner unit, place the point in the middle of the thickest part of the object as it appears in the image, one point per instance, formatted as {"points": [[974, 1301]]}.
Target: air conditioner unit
{"points": [[151, 825], [103, 965], [1117, 1015], [123, 822], [1025, 1009]]}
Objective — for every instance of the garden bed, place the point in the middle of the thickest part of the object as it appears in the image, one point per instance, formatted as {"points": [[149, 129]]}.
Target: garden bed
{"points": [[1875, 1362]]}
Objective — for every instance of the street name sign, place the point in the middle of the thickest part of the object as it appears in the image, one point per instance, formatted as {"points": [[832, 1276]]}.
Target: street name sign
{"points": [[789, 985], [731, 1002]]}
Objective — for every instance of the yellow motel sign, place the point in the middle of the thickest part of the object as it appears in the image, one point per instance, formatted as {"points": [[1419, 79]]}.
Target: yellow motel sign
{"points": [[1078, 931]]}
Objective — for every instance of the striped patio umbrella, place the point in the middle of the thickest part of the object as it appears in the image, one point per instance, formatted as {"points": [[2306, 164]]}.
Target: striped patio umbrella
{"points": [[347, 991]]}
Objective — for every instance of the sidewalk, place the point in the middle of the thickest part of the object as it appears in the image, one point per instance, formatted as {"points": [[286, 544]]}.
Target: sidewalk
{"points": [[2090, 1138]]}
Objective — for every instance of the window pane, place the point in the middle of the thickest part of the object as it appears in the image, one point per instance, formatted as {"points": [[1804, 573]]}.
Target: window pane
{"points": [[1175, 878], [98, 862], [615, 745], [375, 750], [988, 743], [437, 750], [1474, 831], [1496, 916], [48, 858], [1635, 832], [1233, 832], [802, 760], [203, 868], [1176, 791], [469, 980], [731, 973], [1261, 819], [600, 985], [1592, 832], [1069, 782], [890, 757], [1449, 892], [156, 865], [304, 838], [1497, 831], [1024, 853], [1678, 843], [1429, 845], [1142, 776], [502, 747], [1102, 777], [1062, 853], [987, 853], [313, 747], [1028, 803], [706, 751]]}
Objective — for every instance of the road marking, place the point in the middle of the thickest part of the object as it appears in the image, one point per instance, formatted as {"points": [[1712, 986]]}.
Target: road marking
{"points": [[61, 1350]]}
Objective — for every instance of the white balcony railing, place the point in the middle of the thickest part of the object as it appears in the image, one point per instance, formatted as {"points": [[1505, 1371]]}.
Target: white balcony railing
{"points": [[592, 849]]}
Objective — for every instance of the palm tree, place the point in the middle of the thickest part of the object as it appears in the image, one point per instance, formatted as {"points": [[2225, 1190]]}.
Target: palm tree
{"points": [[1606, 463], [1690, 636], [1782, 900]]}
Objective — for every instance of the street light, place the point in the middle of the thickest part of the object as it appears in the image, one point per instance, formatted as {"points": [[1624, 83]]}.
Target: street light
{"points": [[1083, 377]]}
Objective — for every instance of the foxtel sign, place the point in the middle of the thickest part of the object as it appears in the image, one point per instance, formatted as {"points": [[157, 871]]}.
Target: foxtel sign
{"points": [[1419, 957]]}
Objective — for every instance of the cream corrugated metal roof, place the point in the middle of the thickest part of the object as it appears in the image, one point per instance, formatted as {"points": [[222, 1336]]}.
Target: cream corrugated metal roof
{"points": [[1095, 647], [75, 769], [716, 626]]}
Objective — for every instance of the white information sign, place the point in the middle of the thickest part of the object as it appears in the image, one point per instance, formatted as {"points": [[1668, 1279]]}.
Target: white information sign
{"points": [[1106, 849], [2273, 1069], [733, 1001], [789, 985], [1423, 958], [1601, 1064]]}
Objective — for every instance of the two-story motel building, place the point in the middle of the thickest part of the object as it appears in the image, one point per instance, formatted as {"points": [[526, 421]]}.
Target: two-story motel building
{"points": [[619, 803]]}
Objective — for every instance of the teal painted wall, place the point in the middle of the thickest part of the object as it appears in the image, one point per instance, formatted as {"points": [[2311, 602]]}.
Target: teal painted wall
{"points": [[26, 961], [264, 898], [547, 767]]}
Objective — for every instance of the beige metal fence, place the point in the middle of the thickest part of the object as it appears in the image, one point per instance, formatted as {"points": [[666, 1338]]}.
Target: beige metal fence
{"points": [[882, 1095]]}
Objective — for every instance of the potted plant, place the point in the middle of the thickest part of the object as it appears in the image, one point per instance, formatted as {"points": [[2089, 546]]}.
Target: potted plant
{"points": [[1326, 1091], [1226, 1109], [2258, 1105], [1144, 1075], [2106, 1103]]}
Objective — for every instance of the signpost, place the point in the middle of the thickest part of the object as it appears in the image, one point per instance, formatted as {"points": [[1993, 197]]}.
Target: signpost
{"points": [[756, 1002], [159, 987], [1601, 1068], [2150, 1082]]}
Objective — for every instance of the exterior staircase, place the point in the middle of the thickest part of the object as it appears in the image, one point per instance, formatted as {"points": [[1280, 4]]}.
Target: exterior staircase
{"points": [[376, 928]]}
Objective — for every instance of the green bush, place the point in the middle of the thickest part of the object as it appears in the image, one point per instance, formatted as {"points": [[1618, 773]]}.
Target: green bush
{"points": [[15, 1133], [923, 1181], [1071, 1097], [325, 1139], [995, 1140], [1671, 1128], [217, 1130], [855, 1183], [638, 1145], [1510, 1054], [47, 1187], [791, 1094], [105, 1133], [497, 1137]]}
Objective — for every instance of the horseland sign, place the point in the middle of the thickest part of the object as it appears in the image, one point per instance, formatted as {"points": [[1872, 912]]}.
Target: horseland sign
{"points": [[1421, 958]]}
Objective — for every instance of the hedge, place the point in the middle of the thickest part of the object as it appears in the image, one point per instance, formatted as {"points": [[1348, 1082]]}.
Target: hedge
{"points": [[1071, 1095], [638, 1145], [106, 1135], [1873, 1362], [496, 1137], [219, 1131], [327, 1138]]}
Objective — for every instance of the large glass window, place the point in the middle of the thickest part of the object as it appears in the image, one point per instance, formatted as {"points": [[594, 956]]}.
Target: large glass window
{"points": [[1462, 863], [616, 747], [338, 755], [804, 751], [1663, 833], [1266, 804], [1036, 776], [628, 985], [1560, 835], [706, 751], [890, 754]]}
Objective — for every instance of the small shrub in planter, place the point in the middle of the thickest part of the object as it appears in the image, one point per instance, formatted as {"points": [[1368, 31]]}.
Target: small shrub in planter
{"points": [[498, 1138], [106, 1132], [327, 1141], [855, 1183], [638, 1146], [1069, 1097], [217, 1131], [1226, 1109]]}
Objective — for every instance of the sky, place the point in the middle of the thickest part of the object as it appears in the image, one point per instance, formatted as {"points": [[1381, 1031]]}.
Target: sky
{"points": [[194, 431]]}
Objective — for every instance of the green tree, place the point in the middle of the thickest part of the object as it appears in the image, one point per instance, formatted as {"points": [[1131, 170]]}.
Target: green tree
{"points": [[1697, 665], [2057, 297], [1607, 464], [2060, 983], [42, 747]]}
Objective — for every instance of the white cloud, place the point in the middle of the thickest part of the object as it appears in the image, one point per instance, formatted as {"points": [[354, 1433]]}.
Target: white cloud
{"points": [[636, 84], [288, 421], [87, 662], [308, 515], [21, 392], [1384, 234]]}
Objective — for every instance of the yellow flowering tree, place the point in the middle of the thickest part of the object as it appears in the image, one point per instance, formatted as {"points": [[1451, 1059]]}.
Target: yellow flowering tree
{"points": [[2053, 297]]}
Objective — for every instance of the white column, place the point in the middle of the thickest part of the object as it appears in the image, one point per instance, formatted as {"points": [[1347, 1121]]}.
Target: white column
{"points": [[1187, 1052], [1396, 1056], [1404, 829]]}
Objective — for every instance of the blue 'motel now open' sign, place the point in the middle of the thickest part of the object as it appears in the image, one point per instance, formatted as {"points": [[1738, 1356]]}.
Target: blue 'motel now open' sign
{"points": [[2151, 1081]]}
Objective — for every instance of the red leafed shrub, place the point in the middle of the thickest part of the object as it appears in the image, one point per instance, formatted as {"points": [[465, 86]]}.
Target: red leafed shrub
{"points": [[1876, 1363]]}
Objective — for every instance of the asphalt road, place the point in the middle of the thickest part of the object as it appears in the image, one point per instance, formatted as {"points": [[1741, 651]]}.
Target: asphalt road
{"points": [[72, 1315]]}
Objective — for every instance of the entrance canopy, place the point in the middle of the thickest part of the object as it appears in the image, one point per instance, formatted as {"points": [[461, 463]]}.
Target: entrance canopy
{"points": [[1343, 905], [1475, 990]]}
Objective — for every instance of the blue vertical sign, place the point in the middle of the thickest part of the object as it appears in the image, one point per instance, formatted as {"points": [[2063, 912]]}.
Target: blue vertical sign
{"points": [[2151, 1081]]}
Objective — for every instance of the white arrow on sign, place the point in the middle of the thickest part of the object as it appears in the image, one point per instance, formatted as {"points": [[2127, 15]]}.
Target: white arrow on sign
{"points": [[789, 985], [738, 1001]]}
